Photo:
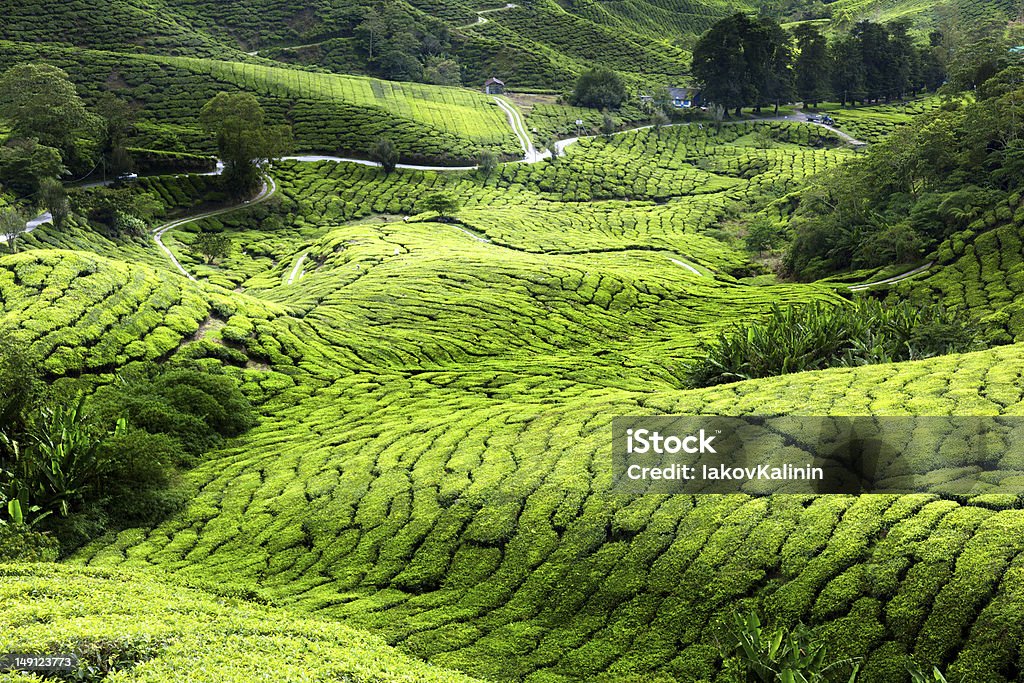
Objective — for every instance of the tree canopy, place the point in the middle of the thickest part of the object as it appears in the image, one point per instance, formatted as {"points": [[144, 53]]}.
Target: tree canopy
{"points": [[41, 103], [600, 88], [243, 137]]}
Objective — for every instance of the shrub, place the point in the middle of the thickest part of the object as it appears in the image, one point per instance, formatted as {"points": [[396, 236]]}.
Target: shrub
{"points": [[599, 88], [817, 336], [18, 543]]}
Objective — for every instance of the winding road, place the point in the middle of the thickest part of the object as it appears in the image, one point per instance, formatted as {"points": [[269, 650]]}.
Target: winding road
{"points": [[531, 155], [481, 19], [268, 190]]}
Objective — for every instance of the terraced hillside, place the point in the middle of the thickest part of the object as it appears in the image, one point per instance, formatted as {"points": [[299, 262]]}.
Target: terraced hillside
{"points": [[328, 112], [432, 464], [163, 643], [542, 44]]}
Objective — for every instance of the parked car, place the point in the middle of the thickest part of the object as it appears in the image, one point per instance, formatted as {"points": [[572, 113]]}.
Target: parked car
{"points": [[814, 118], [127, 177]]}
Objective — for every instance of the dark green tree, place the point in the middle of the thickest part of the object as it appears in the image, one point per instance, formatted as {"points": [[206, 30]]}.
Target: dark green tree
{"points": [[488, 163], [117, 122], [720, 63], [744, 62], [212, 246], [244, 140], [55, 199], [442, 203], [12, 226], [24, 164], [39, 101], [599, 88], [812, 65], [384, 152], [848, 74]]}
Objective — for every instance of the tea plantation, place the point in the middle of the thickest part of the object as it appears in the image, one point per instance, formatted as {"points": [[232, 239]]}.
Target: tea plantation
{"points": [[328, 112], [431, 464], [426, 360]]}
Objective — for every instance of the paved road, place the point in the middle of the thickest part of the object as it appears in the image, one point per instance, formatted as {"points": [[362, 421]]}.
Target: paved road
{"points": [[892, 280], [481, 19], [297, 270], [269, 188]]}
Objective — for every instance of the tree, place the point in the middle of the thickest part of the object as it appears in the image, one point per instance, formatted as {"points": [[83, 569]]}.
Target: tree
{"points": [[442, 70], [444, 204], [117, 121], [848, 75], [813, 72], [212, 245], [659, 121], [552, 146], [12, 226], [607, 125], [717, 112], [599, 88], [55, 199], [244, 140], [24, 163], [762, 234], [488, 163], [39, 101], [383, 151], [720, 64]]}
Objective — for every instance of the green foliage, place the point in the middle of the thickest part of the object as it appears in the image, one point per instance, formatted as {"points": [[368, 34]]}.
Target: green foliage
{"points": [[487, 163], [383, 151], [797, 339], [25, 164], [55, 199], [910, 192], [133, 626], [40, 102], [793, 656], [12, 226], [443, 204], [244, 140], [599, 88], [21, 544], [212, 246]]}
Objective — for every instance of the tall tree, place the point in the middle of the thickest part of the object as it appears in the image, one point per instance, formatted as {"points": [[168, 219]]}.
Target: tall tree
{"points": [[776, 85], [117, 121], [741, 61], [243, 138], [848, 74], [600, 88], [24, 164], [720, 65], [384, 152], [55, 199], [40, 101], [904, 59], [812, 66], [12, 226]]}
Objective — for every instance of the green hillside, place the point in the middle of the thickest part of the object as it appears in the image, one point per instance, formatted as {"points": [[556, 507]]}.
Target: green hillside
{"points": [[147, 630], [436, 400], [325, 392], [328, 112]]}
